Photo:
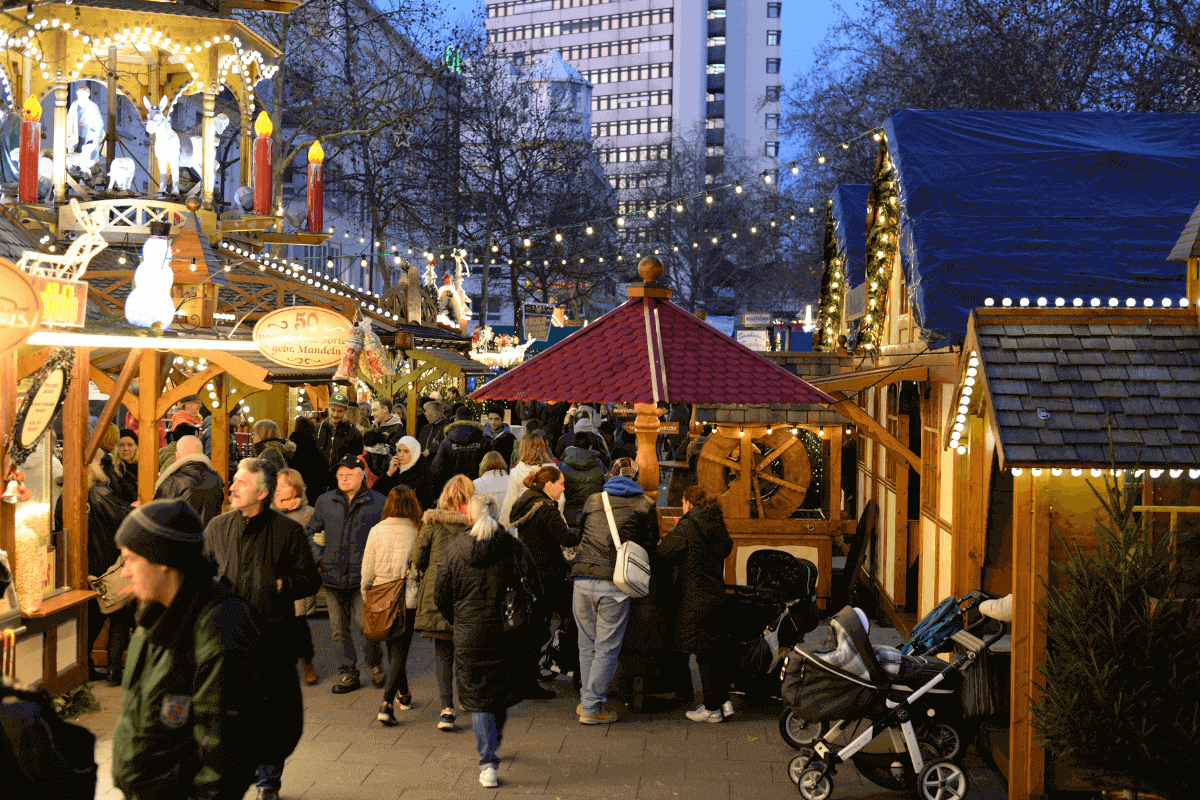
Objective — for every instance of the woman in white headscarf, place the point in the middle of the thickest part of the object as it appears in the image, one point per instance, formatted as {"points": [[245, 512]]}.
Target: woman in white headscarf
{"points": [[409, 468]]}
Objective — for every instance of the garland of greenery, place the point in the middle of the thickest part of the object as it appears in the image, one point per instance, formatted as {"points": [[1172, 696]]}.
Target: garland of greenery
{"points": [[883, 246], [833, 289]]}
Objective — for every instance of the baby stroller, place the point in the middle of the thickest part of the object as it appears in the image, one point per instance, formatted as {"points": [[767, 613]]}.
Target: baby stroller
{"points": [[848, 683]]}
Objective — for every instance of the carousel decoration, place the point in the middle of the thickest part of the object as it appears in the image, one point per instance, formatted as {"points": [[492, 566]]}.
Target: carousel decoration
{"points": [[171, 151], [316, 187], [149, 305], [73, 263], [454, 305], [263, 168], [30, 151], [501, 350]]}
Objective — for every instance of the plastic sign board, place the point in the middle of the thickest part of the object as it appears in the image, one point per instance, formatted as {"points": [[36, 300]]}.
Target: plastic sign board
{"points": [[723, 324], [757, 319], [661, 427], [64, 302], [303, 337], [758, 339], [537, 318], [856, 302], [20, 306], [623, 410]]}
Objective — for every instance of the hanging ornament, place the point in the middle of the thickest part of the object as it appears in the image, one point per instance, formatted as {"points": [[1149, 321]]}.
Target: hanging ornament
{"points": [[373, 360], [354, 344]]}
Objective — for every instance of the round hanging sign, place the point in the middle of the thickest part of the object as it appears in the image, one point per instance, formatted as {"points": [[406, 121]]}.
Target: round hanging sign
{"points": [[43, 401], [20, 306], [305, 337]]}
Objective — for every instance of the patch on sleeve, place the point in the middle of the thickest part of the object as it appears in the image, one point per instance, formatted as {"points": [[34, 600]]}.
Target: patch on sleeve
{"points": [[176, 708]]}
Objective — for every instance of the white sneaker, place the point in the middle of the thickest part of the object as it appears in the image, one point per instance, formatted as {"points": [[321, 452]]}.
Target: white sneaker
{"points": [[727, 709], [487, 778], [702, 714]]}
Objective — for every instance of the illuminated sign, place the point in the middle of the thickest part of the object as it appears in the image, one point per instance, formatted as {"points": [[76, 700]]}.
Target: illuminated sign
{"points": [[63, 302], [306, 337]]}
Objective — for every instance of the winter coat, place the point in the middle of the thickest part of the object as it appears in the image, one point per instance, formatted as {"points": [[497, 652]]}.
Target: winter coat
{"points": [[308, 461], [495, 483], [166, 455], [129, 481], [388, 556], [635, 519], [346, 440], [301, 513], [415, 477], [346, 524], [469, 592], [597, 444], [188, 726], [516, 488], [193, 480], [286, 448], [106, 512], [392, 428], [430, 437], [463, 447], [502, 442], [697, 549], [182, 417], [541, 527], [585, 476], [438, 528]]}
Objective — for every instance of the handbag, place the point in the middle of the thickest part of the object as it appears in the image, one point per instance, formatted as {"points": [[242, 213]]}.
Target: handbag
{"points": [[631, 572], [517, 607], [381, 607], [115, 591]]}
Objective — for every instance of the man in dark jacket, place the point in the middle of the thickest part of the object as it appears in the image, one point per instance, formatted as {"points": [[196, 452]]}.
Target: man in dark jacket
{"points": [[386, 421], [192, 478], [501, 435], [585, 476], [601, 609], [265, 558], [338, 530], [192, 718], [464, 444], [430, 436], [335, 436], [595, 440]]}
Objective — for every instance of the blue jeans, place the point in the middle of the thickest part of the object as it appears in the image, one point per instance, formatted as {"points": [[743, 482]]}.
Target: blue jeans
{"points": [[270, 776], [346, 607], [602, 612], [489, 732]]}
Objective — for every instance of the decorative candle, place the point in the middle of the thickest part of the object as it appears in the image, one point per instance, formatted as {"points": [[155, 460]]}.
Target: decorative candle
{"points": [[263, 169], [316, 187], [31, 145]]}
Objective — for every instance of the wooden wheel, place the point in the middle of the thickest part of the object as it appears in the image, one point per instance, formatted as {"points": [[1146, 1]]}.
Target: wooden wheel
{"points": [[775, 484]]}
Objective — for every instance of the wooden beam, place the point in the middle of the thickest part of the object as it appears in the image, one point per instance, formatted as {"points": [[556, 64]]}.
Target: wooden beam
{"points": [[27, 365], [186, 388], [317, 395], [106, 384], [75, 494], [8, 408], [872, 429], [110, 408], [220, 431], [147, 425], [857, 381], [250, 374], [835, 473], [1031, 563]]}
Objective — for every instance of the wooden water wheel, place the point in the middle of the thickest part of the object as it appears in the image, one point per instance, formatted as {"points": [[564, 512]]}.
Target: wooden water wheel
{"points": [[774, 485]]}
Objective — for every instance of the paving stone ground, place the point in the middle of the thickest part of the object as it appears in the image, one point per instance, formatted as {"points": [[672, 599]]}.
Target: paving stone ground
{"points": [[346, 755]]}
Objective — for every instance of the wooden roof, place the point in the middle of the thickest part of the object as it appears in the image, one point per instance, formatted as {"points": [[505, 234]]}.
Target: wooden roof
{"points": [[1188, 244]]}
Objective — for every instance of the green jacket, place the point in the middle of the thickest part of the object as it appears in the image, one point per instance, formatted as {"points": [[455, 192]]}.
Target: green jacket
{"points": [[438, 528], [191, 720]]}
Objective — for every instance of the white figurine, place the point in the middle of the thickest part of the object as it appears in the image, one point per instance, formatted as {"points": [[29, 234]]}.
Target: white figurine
{"points": [[150, 303], [121, 174], [85, 114], [171, 150]]}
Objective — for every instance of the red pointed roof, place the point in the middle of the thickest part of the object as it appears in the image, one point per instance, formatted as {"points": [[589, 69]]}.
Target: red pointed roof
{"points": [[648, 350]]}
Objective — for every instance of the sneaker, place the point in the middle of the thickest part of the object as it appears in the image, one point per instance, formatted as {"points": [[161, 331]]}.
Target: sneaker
{"points": [[377, 677], [406, 702], [487, 778], [446, 723], [602, 718], [386, 715], [579, 710], [347, 683], [310, 673], [702, 714], [727, 709]]}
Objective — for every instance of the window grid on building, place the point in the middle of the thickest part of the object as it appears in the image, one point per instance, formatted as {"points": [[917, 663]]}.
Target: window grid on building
{"points": [[634, 19], [773, 93], [608, 102], [631, 127], [531, 6], [773, 38], [772, 122], [623, 47], [639, 181], [617, 155], [774, 10], [771, 149], [621, 74], [772, 66]]}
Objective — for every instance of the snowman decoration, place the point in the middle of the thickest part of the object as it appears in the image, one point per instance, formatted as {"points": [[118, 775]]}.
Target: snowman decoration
{"points": [[149, 305]]}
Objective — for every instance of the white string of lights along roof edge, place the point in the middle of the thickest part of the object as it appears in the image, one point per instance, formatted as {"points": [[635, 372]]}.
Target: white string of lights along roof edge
{"points": [[1078, 302], [1192, 472], [767, 176]]}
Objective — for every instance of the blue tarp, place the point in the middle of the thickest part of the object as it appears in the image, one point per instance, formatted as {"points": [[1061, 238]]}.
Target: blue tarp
{"points": [[1027, 204], [850, 227]]}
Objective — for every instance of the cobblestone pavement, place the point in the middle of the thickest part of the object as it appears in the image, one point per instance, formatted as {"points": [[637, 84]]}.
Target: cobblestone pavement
{"points": [[545, 754]]}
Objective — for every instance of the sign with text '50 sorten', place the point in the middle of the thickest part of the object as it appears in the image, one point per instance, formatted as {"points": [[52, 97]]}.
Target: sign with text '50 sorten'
{"points": [[64, 302], [306, 337]]}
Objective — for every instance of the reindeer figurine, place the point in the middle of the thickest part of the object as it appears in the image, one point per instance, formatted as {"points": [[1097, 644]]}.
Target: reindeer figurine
{"points": [[171, 150], [74, 262]]}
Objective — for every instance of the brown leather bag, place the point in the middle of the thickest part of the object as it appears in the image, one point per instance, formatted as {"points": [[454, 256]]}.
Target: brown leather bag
{"points": [[115, 591], [382, 605]]}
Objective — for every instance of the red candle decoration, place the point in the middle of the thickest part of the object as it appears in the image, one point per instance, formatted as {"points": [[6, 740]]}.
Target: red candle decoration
{"points": [[263, 169], [316, 187], [31, 151]]}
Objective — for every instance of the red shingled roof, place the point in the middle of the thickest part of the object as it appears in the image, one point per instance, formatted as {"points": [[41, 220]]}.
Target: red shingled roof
{"points": [[649, 350]]}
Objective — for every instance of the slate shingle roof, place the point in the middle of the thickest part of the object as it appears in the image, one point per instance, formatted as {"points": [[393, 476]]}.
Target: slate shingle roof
{"points": [[618, 358], [1139, 368]]}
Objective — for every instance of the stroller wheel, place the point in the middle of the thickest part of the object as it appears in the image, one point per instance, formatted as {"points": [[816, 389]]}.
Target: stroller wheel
{"points": [[800, 762], [944, 738], [813, 785], [942, 780], [798, 732]]}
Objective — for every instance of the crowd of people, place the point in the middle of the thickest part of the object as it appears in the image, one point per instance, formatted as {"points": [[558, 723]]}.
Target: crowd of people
{"points": [[460, 514]]}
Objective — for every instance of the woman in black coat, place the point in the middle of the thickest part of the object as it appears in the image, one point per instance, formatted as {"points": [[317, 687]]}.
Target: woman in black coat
{"points": [[409, 468], [541, 527], [308, 461], [698, 547], [479, 567]]}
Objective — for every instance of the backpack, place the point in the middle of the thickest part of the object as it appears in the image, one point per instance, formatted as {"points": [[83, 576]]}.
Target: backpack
{"points": [[42, 755]]}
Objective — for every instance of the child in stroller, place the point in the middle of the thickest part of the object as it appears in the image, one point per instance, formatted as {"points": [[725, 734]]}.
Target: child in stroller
{"points": [[847, 682]]}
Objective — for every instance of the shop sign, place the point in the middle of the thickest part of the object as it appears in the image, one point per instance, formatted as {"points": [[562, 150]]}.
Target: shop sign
{"points": [[537, 318], [64, 302], [20, 306], [303, 337], [758, 339], [756, 319], [43, 401], [856, 302], [623, 410], [659, 427]]}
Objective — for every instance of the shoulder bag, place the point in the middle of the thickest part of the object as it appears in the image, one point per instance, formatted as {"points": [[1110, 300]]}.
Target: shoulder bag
{"points": [[115, 591], [631, 573], [381, 609], [518, 602]]}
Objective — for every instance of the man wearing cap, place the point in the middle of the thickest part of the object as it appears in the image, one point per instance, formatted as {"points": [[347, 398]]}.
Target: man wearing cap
{"points": [[585, 426], [266, 559], [193, 710], [189, 412], [335, 436], [338, 529]]}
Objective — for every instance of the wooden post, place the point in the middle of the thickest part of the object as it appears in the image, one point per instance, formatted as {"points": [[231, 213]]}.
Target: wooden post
{"points": [[410, 422], [1031, 565], [8, 395], [245, 161], [835, 472], [900, 517], [74, 494], [647, 453], [971, 485], [220, 430], [147, 426], [110, 108], [208, 133], [153, 90], [60, 139]]}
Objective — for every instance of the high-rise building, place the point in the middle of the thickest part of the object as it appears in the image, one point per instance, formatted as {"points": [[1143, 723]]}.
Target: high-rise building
{"points": [[660, 67]]}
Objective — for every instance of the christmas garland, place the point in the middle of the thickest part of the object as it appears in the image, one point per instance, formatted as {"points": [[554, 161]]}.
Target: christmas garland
{"points": [[883, 214], [833, 289]]}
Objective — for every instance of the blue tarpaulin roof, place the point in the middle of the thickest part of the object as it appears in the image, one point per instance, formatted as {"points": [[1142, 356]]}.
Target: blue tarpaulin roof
{"points": [[1027, 204], [850, 227]]}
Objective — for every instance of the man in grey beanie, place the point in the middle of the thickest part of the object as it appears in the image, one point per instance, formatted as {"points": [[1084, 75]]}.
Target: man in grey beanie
{"points": [[193, 711]]}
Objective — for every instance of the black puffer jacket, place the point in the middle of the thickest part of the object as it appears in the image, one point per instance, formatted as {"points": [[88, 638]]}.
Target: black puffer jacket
{"points": [[193, 480], [698, 547], [544, 531], [470, 589], [106, 512], [463, 447], [308, 461], [635, 518]]}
